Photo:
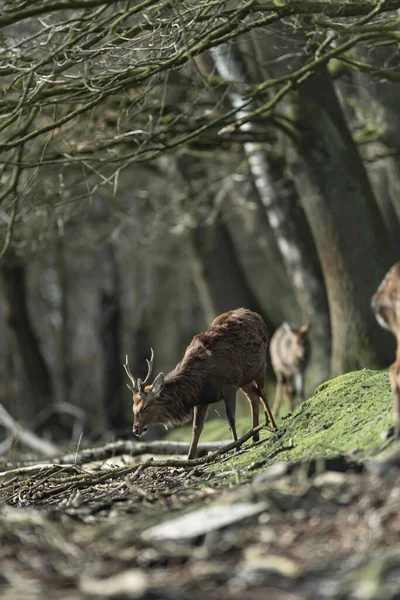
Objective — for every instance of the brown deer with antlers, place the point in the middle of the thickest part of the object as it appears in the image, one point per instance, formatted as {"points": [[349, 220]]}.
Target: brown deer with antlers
{"points": [[386, 306], [231, 354]]}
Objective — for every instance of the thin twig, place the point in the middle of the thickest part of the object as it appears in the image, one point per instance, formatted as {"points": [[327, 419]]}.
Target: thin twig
{"points": [[84, 480]]}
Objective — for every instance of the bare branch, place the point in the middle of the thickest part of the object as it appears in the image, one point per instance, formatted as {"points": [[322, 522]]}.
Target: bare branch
{"points": [[26, 437], [106, 63]]}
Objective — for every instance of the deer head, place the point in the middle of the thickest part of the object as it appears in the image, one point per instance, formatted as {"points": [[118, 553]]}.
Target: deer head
{"points": [[147, 409], [386, 301], [299, 337]]}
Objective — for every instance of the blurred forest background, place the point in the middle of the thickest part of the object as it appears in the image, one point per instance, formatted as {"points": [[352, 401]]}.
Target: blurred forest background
{"points": [[163, 161]]}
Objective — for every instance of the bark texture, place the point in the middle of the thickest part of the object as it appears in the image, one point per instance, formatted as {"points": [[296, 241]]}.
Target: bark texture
{"points": [[109, 333], [346, 224], [13, 287], [289, 226], [217, 271]]}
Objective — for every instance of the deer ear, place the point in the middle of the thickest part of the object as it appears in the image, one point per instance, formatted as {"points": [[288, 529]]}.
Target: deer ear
{"points": [[305, 328], [158, 384], [287, 327]]}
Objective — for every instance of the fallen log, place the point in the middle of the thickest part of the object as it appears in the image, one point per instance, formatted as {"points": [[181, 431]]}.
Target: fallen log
{"points": [[134, 448], [51, 485], [26, 437]]}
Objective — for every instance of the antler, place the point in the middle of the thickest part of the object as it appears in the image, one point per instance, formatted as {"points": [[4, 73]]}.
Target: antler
{"points": [[149, 370], [134, 388]]}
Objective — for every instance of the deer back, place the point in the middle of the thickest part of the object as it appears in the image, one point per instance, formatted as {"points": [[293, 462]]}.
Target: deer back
{"points": [[230, 353]]}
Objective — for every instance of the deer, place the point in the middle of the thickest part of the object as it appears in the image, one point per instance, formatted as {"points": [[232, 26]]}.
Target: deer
{"points": [[290, 351], [228, 356], [386, 305]]}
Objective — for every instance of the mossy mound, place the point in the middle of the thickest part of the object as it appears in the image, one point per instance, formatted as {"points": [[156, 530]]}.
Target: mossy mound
{"points": [[344, 415]]}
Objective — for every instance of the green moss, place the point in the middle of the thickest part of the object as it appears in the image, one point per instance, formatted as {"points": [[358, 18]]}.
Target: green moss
{"points": [[345, 414]]}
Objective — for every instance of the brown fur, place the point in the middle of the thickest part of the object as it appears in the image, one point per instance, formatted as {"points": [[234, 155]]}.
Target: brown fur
{"points": [[231, 354], [290, 352], [386, 306]]}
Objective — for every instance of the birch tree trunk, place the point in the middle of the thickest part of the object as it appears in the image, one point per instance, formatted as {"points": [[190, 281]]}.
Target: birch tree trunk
{"points": [[259, 253], [288, 225], [217, 272]]}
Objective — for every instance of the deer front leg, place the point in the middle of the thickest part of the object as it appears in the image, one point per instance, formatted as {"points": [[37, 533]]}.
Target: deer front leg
{"points": [[254, 399], [259, 381], [396, 399], [199, 417], [395, 383], [290, 393], [229, 398], [278, 395], [299, 379]]}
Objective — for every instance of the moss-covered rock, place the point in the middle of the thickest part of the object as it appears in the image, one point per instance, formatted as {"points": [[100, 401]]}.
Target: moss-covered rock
{"points": [[345, 414]]}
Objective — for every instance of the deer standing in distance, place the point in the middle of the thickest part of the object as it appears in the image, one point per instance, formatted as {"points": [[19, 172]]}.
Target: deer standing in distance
{"points": [[231, 354], [386, 306], [290, 352]]}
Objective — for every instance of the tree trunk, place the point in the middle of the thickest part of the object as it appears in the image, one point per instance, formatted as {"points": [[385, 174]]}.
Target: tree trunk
{"points": [[65, 338], [109, 333], [386, 185], [378, 104], [348, 229], [220, 271], [217, 272], [289, 225], [38, 380], [259, 254]]}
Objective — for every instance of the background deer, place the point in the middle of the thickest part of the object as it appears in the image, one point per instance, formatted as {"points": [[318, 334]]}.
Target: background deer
{"points": [[386, 306], [231, 354], [290, 352]]}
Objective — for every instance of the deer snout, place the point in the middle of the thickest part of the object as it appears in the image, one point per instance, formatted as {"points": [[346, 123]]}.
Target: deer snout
{"points": [[139, 431]]}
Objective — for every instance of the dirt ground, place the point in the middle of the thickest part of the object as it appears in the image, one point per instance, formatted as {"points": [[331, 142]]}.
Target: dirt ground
{"points": [[316, 529]]}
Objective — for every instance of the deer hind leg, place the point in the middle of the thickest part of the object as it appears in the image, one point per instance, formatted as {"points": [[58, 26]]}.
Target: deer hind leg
{"points": [[299, 379], [251, 392], [259, 381], [290, 393], [229, 397], [199, 417], [395, 383], [278, 394]]}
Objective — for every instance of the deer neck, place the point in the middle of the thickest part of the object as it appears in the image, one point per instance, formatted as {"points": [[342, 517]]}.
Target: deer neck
{"points": [[179, 396]]}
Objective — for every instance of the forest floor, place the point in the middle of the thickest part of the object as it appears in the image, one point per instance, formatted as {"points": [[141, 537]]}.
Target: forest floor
{"points": [[311, 512]]}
